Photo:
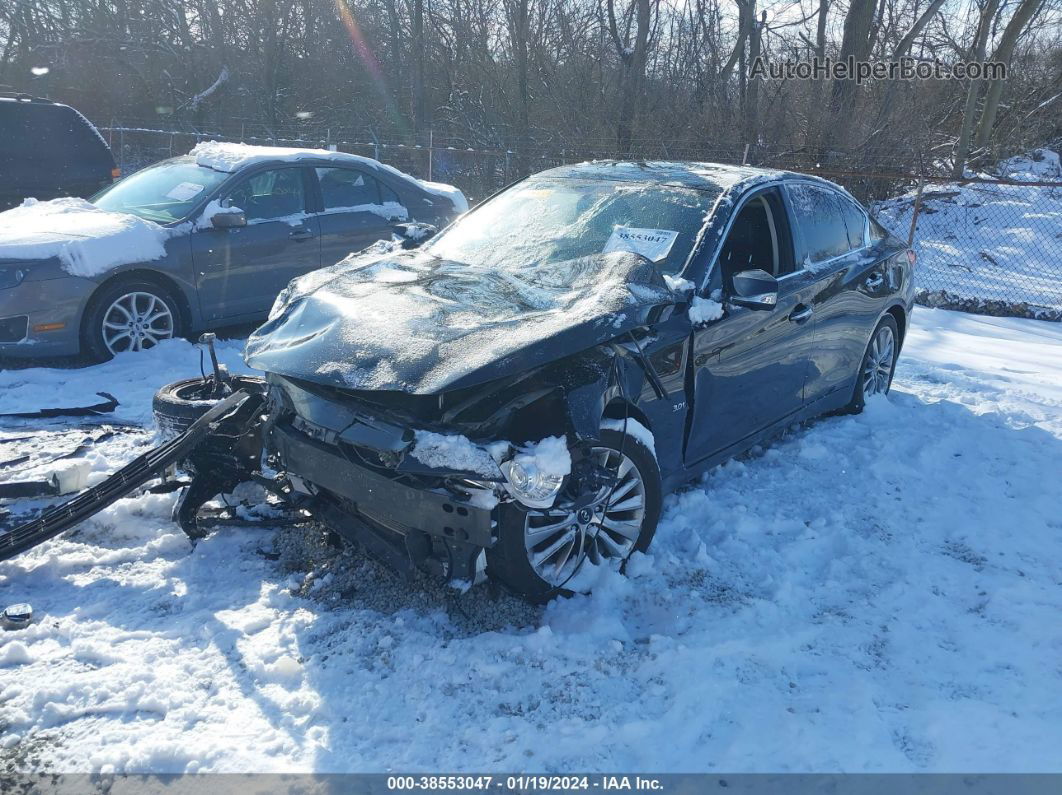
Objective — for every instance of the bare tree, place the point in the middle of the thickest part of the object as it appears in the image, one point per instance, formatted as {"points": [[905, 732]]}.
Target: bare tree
{"points": [[1004, 53]]}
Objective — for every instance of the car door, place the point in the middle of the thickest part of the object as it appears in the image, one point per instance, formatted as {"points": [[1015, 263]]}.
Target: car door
{"points": [[356, 210], [240, 271], [750, 366], [849, 283]]}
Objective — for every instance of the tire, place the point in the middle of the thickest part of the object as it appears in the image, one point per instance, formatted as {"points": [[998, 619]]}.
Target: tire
{"points": [[157, 317], [881, 382], [176, 406], [509, 560]]}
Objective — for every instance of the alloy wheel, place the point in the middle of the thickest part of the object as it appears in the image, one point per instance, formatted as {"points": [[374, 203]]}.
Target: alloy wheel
{"points": [[558, 540], [877, 365], [135, 322]]}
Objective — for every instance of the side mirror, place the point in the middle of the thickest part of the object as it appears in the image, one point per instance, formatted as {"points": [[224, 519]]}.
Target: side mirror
{"points": [[228, 220], [413, 234], [755, 289]]}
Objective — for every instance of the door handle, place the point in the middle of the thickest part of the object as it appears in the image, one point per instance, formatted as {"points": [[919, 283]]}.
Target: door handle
{"points": [[801, 314], [874, 281], [301, 234]]}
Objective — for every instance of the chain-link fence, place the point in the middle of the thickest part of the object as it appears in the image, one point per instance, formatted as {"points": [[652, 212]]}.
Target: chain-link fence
{"points": [[985, 245]]}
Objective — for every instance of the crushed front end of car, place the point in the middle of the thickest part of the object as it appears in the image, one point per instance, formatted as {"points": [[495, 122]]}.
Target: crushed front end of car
{"points": [[354, 465], [415, 404]]}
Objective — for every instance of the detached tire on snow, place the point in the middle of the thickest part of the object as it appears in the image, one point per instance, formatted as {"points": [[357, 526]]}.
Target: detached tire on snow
{"points": [[176, 406], [529, 558]]}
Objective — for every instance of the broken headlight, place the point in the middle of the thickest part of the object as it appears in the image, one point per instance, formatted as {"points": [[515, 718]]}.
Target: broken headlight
{"points": [[530, 485]]}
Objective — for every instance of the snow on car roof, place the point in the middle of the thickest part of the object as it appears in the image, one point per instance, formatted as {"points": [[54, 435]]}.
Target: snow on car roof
{"points": [[230, 157], [684, 174]]}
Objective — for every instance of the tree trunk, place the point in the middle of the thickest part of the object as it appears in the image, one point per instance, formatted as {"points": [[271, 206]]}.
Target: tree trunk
{"points": [[752, 98], [855, 44], [973, 89], [420, 120], [1003, 54], [519, 32], [633, 59]]}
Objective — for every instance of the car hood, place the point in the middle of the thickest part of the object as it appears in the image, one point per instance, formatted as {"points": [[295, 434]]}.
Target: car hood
{"points": [[86, 240], [418, 324]]}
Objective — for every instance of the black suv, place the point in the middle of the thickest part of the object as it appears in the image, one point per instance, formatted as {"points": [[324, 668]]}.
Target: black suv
{"points": [[515, 397], [49, 150]]}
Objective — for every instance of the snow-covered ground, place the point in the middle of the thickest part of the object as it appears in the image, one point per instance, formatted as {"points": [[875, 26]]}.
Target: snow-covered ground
{"points": [[985, 242], [879, 592]]}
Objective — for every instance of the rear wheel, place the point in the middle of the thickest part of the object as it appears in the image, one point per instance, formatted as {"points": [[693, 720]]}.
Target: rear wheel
{"points": [[878, 365], [539, 551], [129, 315]]}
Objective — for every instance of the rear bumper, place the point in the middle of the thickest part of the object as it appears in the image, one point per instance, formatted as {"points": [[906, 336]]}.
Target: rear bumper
{"points": [[51, 302], [383, 501]]}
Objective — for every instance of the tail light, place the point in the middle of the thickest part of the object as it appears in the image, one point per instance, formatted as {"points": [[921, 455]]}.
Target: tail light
{"points": [[116, 173], [912, 258]]}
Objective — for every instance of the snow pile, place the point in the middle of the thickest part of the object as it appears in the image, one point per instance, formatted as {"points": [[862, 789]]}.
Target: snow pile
{"points": [[677, 284], [984, 243], [87, 240], [1039, 164], [230, 157], [548, 457], [705, 310], [872, 593], [452, 451]]}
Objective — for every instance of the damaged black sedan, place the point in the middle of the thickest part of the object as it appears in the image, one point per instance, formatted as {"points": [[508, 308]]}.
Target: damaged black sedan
{"points": [[513, 398]]}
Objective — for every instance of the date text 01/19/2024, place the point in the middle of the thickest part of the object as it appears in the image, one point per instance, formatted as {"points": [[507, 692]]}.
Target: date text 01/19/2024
{"points": [[523, 783]]}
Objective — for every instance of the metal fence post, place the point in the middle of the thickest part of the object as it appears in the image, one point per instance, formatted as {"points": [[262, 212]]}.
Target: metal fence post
{"points": [[916, 211]]}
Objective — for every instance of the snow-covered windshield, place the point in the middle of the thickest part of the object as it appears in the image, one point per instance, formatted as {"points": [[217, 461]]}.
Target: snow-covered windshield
{"points": [[163, 193], [544, 221]]}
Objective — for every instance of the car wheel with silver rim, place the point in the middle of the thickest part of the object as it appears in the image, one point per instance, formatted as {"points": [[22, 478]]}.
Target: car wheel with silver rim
{"points": [[878, 364], [136, 321], [130, 316], [607, 510]]}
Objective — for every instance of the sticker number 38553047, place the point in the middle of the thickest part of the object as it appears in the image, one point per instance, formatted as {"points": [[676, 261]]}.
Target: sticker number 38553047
{"points": [[653, 244]]}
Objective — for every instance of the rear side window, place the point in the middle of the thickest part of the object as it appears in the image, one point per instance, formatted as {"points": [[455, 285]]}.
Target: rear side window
{"points": [[342, 188], [855, 220], [819, 216], [388, 195]]}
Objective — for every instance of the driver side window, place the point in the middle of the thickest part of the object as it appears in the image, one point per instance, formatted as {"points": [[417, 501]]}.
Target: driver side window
{"points": [[758, 239]]}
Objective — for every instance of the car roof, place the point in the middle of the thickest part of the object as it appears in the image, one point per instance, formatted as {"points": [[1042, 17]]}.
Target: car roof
{"points": [[687, 174]]}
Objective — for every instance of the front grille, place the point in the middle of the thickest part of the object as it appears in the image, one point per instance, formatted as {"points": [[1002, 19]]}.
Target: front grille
{"points": [[13, 329]]}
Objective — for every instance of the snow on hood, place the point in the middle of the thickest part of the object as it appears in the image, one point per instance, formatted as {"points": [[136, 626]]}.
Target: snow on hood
{"points": [[230, 157], [415, 323], [87, 240]]}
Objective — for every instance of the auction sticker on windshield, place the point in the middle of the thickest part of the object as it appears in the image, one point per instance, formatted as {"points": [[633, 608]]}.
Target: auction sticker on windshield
{"points": [[184, 191], [653, 244]]}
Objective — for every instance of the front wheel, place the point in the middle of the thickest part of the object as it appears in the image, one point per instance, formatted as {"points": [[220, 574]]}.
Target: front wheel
{"points": [[538, 552], [129, 315], [877, 366]]}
